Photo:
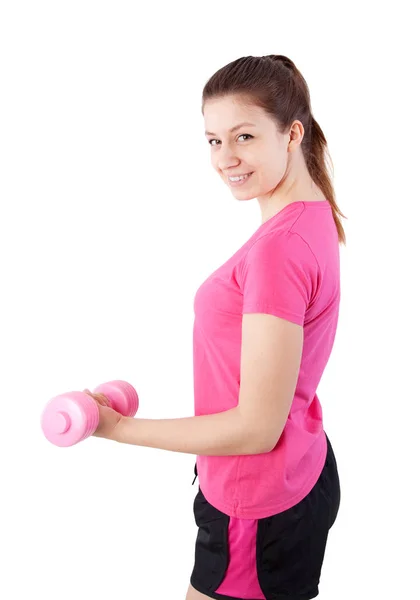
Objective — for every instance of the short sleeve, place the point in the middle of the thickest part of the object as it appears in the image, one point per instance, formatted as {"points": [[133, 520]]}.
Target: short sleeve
{"points": [[279, 276]]}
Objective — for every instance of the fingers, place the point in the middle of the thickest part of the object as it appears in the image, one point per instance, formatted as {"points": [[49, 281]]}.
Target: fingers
{"points": [[103, 399], [99, 398]]}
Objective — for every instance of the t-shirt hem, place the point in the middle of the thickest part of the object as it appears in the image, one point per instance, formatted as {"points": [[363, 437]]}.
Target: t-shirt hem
{"points": [[272, 509], [278, 312]]}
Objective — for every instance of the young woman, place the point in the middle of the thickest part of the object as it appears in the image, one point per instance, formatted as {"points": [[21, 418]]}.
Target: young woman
{"points": [[265, 323]]}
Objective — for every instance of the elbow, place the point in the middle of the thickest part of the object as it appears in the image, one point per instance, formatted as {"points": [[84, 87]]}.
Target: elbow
{"points": [[258, 442], [265, 449], [267, 443], [262, 444]]}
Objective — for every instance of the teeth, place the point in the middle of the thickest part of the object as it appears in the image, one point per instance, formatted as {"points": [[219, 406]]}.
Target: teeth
{"points": [[239, 178]]}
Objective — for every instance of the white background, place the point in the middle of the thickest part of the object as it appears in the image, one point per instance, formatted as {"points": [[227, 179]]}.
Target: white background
{"points": [[111, 218]]}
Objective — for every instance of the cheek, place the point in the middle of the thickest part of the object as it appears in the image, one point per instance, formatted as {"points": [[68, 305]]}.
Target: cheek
{"points": [[273, 169], [214, 162]]}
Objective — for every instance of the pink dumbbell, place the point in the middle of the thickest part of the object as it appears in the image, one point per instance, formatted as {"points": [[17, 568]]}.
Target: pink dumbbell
{"points": [[72, 417]]}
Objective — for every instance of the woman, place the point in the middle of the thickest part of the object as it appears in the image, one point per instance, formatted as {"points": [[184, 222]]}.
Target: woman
{"points": [[265, 323], [264, 518]]}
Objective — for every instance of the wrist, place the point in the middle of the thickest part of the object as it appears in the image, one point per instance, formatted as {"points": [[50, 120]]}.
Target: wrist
{"points": [[117, 432]]}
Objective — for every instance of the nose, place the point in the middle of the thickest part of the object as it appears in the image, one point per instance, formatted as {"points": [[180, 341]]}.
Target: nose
{"points": [[228, 163]]}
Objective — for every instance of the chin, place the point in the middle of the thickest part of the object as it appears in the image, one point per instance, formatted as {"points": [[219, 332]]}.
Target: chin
{"points": [[244, 198]]}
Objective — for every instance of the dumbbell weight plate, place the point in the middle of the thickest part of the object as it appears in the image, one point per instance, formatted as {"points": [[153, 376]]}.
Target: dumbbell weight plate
{"points": [[70, 418], [122, 395]]}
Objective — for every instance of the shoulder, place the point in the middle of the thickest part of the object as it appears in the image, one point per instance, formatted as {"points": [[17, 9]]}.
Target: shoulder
{"points": [[277, 246]]}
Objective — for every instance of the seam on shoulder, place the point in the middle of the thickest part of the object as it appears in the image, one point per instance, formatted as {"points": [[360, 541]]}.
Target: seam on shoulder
{"points": [[310, 249]]}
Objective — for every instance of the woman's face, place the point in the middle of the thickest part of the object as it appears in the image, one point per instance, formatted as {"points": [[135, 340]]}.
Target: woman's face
{"points": [[256, 148]]}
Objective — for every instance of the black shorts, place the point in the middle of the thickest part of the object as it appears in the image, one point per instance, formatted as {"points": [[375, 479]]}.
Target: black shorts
{"points": [[275, 558]]}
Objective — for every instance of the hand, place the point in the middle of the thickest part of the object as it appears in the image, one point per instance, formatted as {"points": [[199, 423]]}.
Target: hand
{"points": [[108, 417]]}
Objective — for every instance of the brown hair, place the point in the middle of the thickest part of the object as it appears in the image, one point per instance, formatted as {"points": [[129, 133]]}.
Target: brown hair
{"points": [[274, 84]]}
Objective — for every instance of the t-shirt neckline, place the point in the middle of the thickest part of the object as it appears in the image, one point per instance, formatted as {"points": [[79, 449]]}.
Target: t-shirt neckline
{"points": [[316, 203]]}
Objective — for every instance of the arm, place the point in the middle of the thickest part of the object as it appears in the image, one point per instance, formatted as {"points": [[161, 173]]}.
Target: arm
{"points": [[219, 434]]}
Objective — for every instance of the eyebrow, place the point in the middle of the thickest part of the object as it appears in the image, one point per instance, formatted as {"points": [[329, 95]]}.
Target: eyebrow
{"points": [[233, 128]]}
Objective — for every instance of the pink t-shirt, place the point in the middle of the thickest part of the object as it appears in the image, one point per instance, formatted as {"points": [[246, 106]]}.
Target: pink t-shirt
{"points": [[290, 267]]}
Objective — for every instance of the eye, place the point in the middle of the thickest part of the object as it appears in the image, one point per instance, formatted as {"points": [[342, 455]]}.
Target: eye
{"points": [[245, 135], [242, 135]]}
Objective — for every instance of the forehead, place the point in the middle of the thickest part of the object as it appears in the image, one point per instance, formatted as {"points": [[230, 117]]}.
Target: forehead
{"points": [[221, 115]]}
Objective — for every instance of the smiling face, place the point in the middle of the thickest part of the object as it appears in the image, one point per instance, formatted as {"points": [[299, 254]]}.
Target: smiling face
{"points": [[279, 173]]}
